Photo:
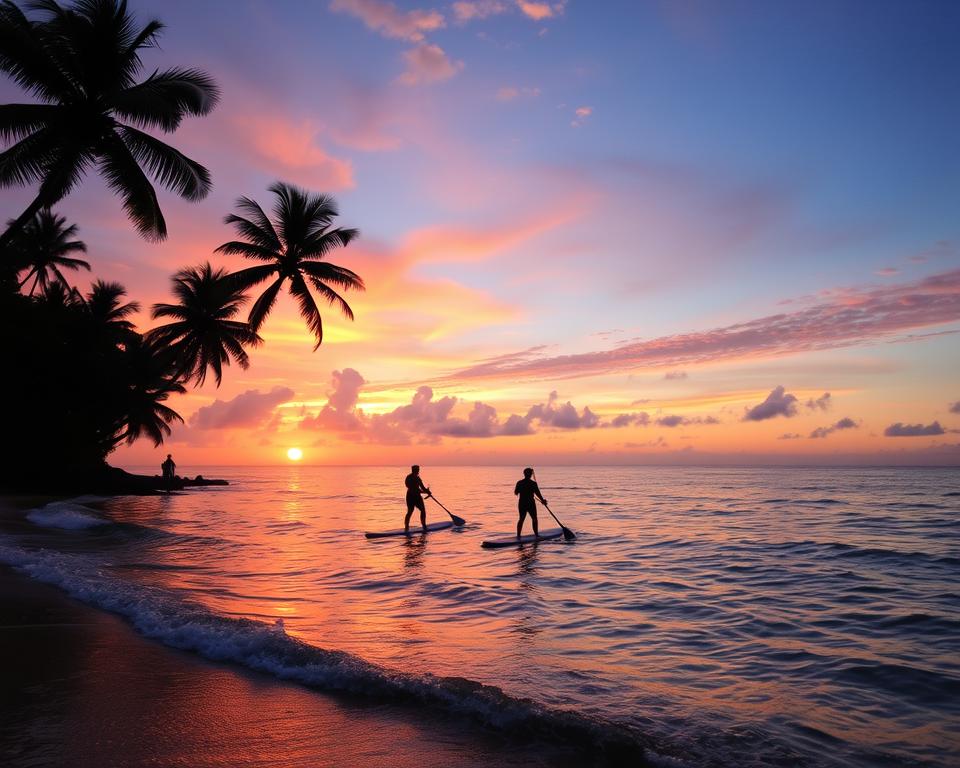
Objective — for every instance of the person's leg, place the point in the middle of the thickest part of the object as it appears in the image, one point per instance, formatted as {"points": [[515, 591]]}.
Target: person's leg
{"points": [[423, 513], [523, 514], [533, 519], [406, 521]]}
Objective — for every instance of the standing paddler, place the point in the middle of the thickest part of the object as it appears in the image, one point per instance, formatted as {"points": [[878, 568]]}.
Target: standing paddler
{"points": [[415, 488], [525, 491]]}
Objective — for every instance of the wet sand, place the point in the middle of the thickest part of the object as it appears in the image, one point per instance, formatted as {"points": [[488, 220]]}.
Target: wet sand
{"points": [[82, 688]]}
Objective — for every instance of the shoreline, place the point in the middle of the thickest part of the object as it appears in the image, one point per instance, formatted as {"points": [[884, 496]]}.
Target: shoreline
{"points": [[88, 685]]}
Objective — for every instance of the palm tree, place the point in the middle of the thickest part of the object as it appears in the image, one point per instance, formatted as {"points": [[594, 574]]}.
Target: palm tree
{"points": [[82, 62], [203, 335], [143, 410], [293, 244], [109, 314], [43, 248]]}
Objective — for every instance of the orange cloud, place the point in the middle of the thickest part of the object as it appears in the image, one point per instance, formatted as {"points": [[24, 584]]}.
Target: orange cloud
{"points": [[428, 63], [580, 115], [463, 244], [538, 11], [385, 18]]}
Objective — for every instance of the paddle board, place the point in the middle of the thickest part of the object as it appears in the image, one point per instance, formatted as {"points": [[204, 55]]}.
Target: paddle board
{"points": [[512, 541], [415, 530]]}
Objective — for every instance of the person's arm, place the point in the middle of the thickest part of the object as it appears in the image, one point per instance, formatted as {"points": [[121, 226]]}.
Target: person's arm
{"points": [[422, 486], [536, 490], [516, 489]]}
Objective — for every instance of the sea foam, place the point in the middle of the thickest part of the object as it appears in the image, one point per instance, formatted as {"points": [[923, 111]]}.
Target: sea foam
{"points": [[165, 616], [68, 515]]}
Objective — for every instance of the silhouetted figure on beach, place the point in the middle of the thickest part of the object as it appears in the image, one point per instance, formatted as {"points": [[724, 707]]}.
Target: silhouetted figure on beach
{"points": [[526, 490], [415, 487], [169, 469]]}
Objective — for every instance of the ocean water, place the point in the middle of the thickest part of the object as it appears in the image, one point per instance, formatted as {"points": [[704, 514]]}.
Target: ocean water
{"points": [[711, 616]]}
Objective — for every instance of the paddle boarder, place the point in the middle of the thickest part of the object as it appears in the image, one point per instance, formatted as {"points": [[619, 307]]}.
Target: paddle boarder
{"points": [[525, 491], [415, 488]]}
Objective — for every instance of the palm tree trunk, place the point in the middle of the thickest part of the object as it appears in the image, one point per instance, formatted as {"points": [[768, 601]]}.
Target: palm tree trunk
{"points": [[16, 226]]}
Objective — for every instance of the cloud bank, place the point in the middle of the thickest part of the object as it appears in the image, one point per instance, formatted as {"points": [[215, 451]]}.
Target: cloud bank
{"points": [[849, 317], [427, 419], [252, 408]]}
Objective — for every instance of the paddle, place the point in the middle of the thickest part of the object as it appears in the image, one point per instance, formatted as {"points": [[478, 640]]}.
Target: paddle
{"points": [[568, 535], [456, 520]]}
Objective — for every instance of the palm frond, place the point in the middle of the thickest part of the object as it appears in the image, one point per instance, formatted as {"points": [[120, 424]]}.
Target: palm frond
{"points": [[331, 273], [251, 276], [17, 121], [262, 306], [253, 232], [169, 166], [124, 177], [27, 161], [319, 243], [25, 55], [308, 308], [165, 98], [250, 250], [251, 208], [333, 298]]}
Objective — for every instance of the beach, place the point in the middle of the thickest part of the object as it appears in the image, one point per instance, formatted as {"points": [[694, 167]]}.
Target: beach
{"points": [[82, 688]]}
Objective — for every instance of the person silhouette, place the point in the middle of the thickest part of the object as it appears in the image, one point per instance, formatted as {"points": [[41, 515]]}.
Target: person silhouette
{"points": [[415, 487], [526, 490], [169, 469]]}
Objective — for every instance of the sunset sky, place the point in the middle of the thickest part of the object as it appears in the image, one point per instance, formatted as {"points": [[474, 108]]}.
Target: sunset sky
{"points": [[592, 232]]}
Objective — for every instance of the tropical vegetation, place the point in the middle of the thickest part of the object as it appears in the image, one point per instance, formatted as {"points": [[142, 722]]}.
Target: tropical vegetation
{"points": [[81, 378]]}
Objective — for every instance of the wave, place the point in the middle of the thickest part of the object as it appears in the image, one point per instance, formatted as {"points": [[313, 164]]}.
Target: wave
{"points": [[165, 616], [851, 551], [67, 515]]}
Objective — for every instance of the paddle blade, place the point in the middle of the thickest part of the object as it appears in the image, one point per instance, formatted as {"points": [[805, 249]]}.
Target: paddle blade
{"points": [[568, 535], [457, 520]]}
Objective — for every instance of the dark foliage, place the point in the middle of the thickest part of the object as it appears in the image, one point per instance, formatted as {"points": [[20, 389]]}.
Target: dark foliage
{"points": [[82, 62], [79, 381]]}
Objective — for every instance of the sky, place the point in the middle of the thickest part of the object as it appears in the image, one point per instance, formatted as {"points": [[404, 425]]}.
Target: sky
{"points": [[591, 232]]}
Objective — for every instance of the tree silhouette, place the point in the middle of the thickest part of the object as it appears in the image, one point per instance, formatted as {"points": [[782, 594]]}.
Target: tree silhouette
{"points": [[203, 335], [82, 62], [42, 249], [293, 244]]}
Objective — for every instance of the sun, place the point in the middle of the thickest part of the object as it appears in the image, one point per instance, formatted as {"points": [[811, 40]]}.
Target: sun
{"points": [[294, 454]]}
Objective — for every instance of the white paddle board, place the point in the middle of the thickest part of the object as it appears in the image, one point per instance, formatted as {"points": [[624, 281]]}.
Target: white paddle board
{"points": [[512, 541], [415, 530]]}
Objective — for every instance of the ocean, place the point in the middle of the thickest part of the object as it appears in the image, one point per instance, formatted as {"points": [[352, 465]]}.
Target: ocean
{"points": [[711, 616]]}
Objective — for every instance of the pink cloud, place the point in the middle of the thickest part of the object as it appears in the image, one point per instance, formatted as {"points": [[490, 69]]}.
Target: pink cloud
{"points": [[288, 148], [469, 10], [469, 244], [512, 93], [250, 409], [580, 114], [385, 18], [539, 11], [429, 419], [847, 318], [428, 63]]}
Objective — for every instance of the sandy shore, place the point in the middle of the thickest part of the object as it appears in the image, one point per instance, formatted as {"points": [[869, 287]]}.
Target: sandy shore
{"points": [[82, 688]]}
